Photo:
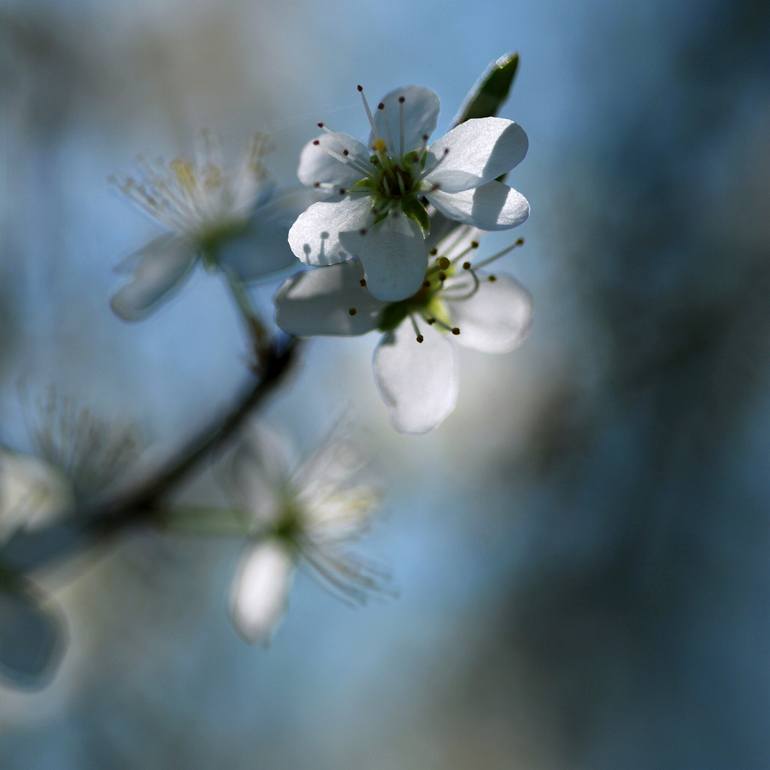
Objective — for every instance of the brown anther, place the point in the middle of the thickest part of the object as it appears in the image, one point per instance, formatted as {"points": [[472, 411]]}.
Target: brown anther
{"points": [[474, 244], [425, 137], [442, 277], [426, 284], [359, 88], [456, 330], [363, 231], [381, 106], [316, 142], [420, 338], [362, 282], [342, 190], [430, 321], [466, 265], [443, 263], [433, 251], [401, 99], [435, 187], [352, 311], [316, 184], [320, 124], [346, 153], [519, 241], [492, 278]]}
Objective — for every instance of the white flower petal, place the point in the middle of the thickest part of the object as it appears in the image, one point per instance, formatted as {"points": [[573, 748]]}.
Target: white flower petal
{"points": [[496, 319], [492, 206], [315, 236], [31, 638], [421, 106], [316, 164], [417, 382], [479, 150], [320, 301], [393, 254], [260, 590], [32, 493], [158, 269]]}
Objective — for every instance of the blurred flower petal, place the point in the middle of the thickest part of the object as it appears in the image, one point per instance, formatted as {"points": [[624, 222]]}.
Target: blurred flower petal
{"points": [[160, 268], [260, 591]]}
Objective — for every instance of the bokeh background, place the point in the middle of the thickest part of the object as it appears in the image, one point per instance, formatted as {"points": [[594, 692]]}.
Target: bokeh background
{"points": [[581, 550]]}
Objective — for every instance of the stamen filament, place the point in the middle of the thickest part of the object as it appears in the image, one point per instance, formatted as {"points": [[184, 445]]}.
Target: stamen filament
{"points": [[418, 335], [502, 253], [434, 166], [369, 115], [448, 294]]}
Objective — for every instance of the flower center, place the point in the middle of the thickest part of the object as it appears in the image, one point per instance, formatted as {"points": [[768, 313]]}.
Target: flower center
{"points": [[450, 278]]}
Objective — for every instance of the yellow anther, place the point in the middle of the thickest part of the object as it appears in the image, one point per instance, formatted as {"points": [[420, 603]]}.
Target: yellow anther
{"points": [[184, 173], [379, 145]]}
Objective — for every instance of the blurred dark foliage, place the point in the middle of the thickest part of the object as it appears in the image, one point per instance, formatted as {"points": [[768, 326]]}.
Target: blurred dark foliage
{"points": [[639, 633]]}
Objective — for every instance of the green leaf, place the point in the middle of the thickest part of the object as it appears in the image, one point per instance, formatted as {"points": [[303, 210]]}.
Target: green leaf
{"points": [[417, 212], [491, 90], [484, 100]]}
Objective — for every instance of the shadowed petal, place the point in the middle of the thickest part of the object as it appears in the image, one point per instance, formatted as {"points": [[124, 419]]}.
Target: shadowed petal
{"points": [[496, 319], [315, 236], [31, 638], [417, 382], [318, 164], [479, 150], [420, 107], [394, 257], [493, 206], [321, 301]]}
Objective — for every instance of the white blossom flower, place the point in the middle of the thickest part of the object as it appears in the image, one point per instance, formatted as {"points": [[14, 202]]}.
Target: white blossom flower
{"points": [[387, 185], [309, 515], [415, 363], [31, 493], [228, 218], [76, 456]]}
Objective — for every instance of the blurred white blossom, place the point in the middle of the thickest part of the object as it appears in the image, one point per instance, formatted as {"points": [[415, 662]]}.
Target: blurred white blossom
{"points": [[227, 217], [387, 186], [300, 514], [32, 492], [415, 363]]}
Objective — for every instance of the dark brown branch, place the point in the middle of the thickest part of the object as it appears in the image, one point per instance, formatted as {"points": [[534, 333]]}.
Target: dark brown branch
{"points": [[31, 550]]}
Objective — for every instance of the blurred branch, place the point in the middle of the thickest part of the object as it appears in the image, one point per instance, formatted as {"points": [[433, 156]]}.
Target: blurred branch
{"points": [[104, 519]]}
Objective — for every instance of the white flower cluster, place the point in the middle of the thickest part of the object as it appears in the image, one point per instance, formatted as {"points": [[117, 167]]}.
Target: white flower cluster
{"points": [[300, 513], [367, 234]]}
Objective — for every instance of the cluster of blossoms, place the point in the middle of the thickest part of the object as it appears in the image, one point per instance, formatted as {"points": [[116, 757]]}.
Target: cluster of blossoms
{"points": [[457, 302], [367, 234], [300, 513], [388, 186], [390, 230]]}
